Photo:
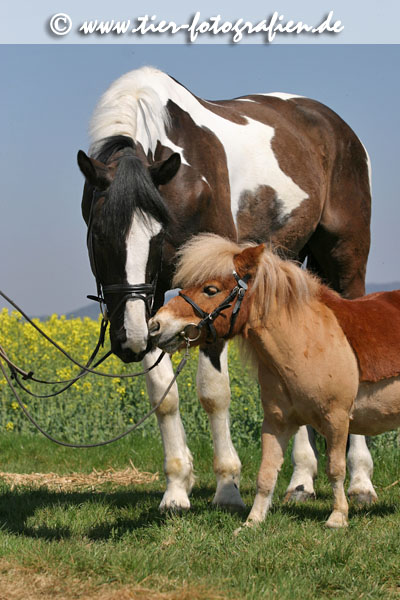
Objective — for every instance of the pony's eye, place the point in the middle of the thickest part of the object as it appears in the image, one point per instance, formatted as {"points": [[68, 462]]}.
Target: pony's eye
{"points": [[211, 290]]}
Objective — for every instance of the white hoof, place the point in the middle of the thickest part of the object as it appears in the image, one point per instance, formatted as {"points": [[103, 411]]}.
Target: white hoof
{"points": [[228, 496], [362, 495], [337, 520], [299, 494], [175, 500]]}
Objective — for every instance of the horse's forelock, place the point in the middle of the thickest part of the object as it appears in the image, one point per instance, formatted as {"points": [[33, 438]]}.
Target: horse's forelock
{"points": [[131, 191]]}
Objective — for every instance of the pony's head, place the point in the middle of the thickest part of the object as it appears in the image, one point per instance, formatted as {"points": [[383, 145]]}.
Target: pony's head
{"points": [[209, 269], [127, 220]]}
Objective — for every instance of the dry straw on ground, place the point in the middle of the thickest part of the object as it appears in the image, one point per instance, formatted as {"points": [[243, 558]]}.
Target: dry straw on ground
{"points": [[73, 481], [26, 583]]}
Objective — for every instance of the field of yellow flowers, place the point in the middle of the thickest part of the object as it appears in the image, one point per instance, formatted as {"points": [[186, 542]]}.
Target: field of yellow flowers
{"points": [[97, 407]]}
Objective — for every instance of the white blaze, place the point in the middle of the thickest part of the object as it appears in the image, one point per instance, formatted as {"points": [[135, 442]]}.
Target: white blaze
{"points": [[137, 254]]}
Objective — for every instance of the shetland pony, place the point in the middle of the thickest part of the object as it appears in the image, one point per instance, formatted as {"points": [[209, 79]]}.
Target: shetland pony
{"points": [[164, 165], [321, 359]]}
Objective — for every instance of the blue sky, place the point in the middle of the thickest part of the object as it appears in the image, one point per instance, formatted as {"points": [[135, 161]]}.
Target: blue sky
{"points": [[49, 92]]}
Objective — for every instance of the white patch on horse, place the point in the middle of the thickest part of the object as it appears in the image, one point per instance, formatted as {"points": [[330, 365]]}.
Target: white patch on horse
{"points": [[137, 254], [250, 159], [368, 159], [214, 394], [178, 462], [281, 95], [360, 465]]}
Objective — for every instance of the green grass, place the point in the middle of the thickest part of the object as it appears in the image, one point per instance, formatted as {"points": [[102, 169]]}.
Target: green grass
{"points": [[117, 536]]}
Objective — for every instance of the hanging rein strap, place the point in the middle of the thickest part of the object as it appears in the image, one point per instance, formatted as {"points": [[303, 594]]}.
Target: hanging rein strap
{"points": [[106, 442], [207, 319]]}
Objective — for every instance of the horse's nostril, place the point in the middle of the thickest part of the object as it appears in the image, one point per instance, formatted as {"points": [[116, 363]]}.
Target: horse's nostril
{"points": [[120, 335], [154, 326]]}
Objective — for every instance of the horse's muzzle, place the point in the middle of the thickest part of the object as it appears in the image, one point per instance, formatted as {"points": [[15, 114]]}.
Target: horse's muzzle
{"points": [[127, 355]]}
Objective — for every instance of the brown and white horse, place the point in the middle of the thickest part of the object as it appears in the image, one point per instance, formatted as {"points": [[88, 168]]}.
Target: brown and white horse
{"points": [[164, 165], [321, 359]]}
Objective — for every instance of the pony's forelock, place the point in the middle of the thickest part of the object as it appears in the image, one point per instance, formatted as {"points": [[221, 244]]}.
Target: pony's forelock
{"points": [[205, 256], [277, 282]]}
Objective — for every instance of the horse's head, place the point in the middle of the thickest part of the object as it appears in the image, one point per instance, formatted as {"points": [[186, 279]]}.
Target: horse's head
{"points": [[220, 292], [127, 221]]}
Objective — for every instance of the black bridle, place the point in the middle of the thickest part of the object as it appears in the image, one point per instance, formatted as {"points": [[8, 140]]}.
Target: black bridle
{"points": [[207, 319]]}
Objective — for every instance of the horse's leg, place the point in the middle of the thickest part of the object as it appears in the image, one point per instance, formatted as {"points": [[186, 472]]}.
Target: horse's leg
{"points": [[305, 466], [336, 433], [273, 444], [178, 465], [360, 466], [215, 396]]}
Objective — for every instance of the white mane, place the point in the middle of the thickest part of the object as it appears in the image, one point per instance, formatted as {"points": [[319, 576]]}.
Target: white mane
{"points": [[135, 106]]}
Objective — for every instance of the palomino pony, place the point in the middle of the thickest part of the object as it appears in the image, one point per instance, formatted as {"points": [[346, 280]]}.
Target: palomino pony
{"points": [[164, 165], [321, 359]]}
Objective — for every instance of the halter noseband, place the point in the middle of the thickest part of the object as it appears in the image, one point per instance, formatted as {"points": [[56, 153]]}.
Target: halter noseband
{"points": [[207, 319]]}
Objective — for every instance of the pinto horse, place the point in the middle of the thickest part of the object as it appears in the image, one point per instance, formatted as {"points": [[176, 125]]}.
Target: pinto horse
{"points": [[164, 165], [321, 359]]}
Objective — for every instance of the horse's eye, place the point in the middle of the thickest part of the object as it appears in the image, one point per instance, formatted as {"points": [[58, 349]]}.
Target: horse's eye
{"points": [[211, 290]]}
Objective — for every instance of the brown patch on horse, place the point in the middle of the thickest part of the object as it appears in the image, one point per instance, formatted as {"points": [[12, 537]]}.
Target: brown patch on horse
{"points": [[372, 327], [200, 194]]}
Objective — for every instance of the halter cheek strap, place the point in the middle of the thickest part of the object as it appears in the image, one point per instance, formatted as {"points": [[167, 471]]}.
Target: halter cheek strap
{"points": [[207, 319]]}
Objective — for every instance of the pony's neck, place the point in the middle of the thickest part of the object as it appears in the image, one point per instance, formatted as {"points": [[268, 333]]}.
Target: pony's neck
{"points": [[283, 337]]}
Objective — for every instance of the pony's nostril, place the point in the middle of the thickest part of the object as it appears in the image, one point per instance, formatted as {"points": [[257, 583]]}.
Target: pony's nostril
{"points": [[154, 326]]}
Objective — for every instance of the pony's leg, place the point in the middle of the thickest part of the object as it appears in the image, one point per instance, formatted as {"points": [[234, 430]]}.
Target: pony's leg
{"points": [[215, 396], [359, 462], [336, 440], [273, 449], [178, 464], [343, 266], [305, 466]]}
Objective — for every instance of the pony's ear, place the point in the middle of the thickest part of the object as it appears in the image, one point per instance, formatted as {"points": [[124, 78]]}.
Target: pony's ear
{"points": [[247, 261], [162, 172], [94, 171]]}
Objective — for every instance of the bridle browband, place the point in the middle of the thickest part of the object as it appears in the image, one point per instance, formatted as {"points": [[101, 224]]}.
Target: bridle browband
{"points": [[207, 319]]}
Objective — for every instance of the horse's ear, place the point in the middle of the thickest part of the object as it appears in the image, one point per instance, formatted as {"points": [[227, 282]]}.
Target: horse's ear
{"points": [[94, 171], [247, 261], [162, 172]]}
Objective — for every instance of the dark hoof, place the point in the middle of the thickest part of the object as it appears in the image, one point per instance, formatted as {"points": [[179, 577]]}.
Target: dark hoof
{"points": [[299, 495]]}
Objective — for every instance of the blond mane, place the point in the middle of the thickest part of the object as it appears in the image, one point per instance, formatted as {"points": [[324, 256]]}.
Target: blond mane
{"points": [[277, 282]]}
